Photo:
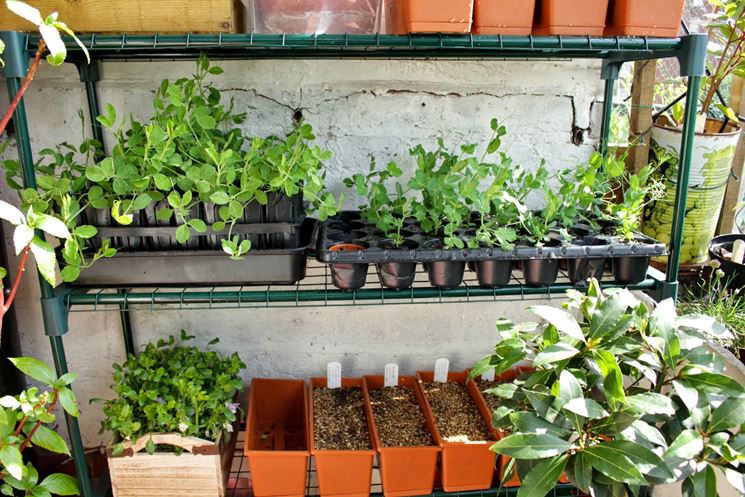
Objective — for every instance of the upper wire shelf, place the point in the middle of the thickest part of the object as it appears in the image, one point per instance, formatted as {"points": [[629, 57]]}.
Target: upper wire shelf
{"points": [[316, 290], [370, 45]]}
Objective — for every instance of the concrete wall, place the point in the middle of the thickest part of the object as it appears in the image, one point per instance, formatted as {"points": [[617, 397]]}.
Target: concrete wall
{"points": [[359, 109]]}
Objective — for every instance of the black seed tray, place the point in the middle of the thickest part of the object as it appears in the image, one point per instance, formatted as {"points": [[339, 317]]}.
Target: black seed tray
{"points": [[349, 227], [203, 267]]}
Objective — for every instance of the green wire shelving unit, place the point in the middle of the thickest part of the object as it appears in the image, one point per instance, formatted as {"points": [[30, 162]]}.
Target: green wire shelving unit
{"points": [[690, 51]]}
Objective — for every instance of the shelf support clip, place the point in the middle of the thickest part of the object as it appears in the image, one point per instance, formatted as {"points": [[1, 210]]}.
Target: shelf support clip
{"points": [[55, 312]]}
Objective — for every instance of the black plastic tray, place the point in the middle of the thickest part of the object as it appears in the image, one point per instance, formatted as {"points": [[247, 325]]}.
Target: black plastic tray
{"points": [[209, 267], [348, 227]]}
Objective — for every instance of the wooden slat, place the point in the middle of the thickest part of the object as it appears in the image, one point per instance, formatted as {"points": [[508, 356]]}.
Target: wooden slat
{"points": [[138, 16], [733, 195], [640, 125]]}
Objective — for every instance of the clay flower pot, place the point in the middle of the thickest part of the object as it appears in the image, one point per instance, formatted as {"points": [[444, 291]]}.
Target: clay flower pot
{"points": [[341, 472], [466, 466], [438, 16], [404, 470], [645, 18], [346, 276], [570, 17], [503, 17], [277, 437]]}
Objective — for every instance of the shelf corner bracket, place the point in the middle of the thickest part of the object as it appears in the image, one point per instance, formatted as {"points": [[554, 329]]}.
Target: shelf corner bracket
{"points": [[55, 312]]}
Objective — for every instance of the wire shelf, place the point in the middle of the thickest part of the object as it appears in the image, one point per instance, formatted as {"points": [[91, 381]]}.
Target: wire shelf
{"points": [[317, 290], [239, 481]]}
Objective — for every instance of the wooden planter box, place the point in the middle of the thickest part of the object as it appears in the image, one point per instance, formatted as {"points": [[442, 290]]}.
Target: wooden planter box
{"points": [[203, 467], [137, 16]]}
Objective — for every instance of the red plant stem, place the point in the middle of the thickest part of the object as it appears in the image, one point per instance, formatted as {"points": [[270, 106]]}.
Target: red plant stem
{"points": [[19, 276], [24, 86], [20, 426], [38, 423]]}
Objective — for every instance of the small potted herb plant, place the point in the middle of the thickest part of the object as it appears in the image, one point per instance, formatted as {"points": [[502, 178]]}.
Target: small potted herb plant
{"points": [[621, 397], [174, 413]]}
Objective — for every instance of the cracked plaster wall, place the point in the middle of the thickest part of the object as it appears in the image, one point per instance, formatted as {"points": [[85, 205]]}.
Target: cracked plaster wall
{"points": [[359, 109]]}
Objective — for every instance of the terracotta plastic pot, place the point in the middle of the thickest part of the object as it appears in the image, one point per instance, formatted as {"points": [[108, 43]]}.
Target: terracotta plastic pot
{"points": [[645, 18], [465, 466], [438, 16], [277, 437], [570, 17], [503, 17], [341, 472], [346, 276], [404, 470]]}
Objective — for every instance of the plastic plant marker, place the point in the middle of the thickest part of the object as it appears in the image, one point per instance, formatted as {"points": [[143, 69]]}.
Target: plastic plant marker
{"points": [[404, 470], [391, 375], [488, 375], [277, 445], [344, 473], [333, 375], [738, 251], [466, 466], [441, 370]]}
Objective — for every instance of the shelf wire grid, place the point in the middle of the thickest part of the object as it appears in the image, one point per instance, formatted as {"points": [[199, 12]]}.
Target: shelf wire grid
{"points": [[317, 290], [239, 481]]}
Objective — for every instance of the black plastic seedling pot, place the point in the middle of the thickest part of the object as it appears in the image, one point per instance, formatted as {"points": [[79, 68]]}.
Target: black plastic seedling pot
{"points": [[581, 269], [446, 274], [397, 275], [630, 270], [493, 274], [540, 272]]}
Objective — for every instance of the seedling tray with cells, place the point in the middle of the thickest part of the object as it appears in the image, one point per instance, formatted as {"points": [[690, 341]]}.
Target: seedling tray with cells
{"points": [[349, 227]]}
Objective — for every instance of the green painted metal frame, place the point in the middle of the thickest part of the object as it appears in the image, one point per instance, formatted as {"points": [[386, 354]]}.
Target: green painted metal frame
{"points": [[690, 52]]}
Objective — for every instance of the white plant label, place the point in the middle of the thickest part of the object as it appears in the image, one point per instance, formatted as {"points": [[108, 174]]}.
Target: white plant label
{"points": [[391, 375], [441, 370], [333, 375], [489, 375], [738, 251]]}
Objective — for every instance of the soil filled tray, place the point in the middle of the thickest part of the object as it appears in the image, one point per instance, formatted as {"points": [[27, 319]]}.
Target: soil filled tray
{"points": [[341, 438], [190, 267], [349, 228], [461, 428]]}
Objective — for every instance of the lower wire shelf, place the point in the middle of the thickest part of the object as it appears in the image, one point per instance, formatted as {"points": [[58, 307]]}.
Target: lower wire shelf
{"points": [[317, 290], [239, 482]]}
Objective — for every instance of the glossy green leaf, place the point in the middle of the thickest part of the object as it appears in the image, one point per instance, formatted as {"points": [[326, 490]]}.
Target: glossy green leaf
{"points": [[12, 460], [712, 383], [11, 214], [531, 446], [543, 477], [68, 403], [651, 403], [729, 415], [34, 368], [587, 408], [50, 440], [616, 467], [562, 320], [555, 353], [686, 446], [60, 484]]}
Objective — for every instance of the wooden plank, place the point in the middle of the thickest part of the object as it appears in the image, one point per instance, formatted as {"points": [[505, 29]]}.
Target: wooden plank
{"points": [[138, 16], [640, 125], [732, 195]]}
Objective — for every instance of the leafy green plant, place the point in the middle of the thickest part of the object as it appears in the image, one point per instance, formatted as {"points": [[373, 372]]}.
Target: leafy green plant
{"points": [[641, 189], [173, 387], [388, 211], [24, 423], [711, 297], [621, 398]]}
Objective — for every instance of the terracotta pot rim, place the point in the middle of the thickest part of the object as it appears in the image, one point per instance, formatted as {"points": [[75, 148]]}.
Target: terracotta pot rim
{"points": [[346, 247]]}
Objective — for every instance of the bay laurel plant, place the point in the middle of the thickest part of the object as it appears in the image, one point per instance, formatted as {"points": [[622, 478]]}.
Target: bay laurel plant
{"points": [[618, 399], [172, 387], [27, 420]]}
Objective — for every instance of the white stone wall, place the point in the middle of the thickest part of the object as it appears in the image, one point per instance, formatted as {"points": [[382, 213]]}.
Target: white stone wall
{"points": [[359, 109]]}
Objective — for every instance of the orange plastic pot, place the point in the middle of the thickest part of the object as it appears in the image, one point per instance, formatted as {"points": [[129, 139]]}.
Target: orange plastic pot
{"points": [[570, 17], [465, 466], [277, 437], [503, 17], [341, 472], [404, 470], [644, 18], [438, 16]]}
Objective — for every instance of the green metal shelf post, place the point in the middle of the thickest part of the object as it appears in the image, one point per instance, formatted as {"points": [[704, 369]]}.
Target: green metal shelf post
{"points": [[90, 75], [15, 71]]}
